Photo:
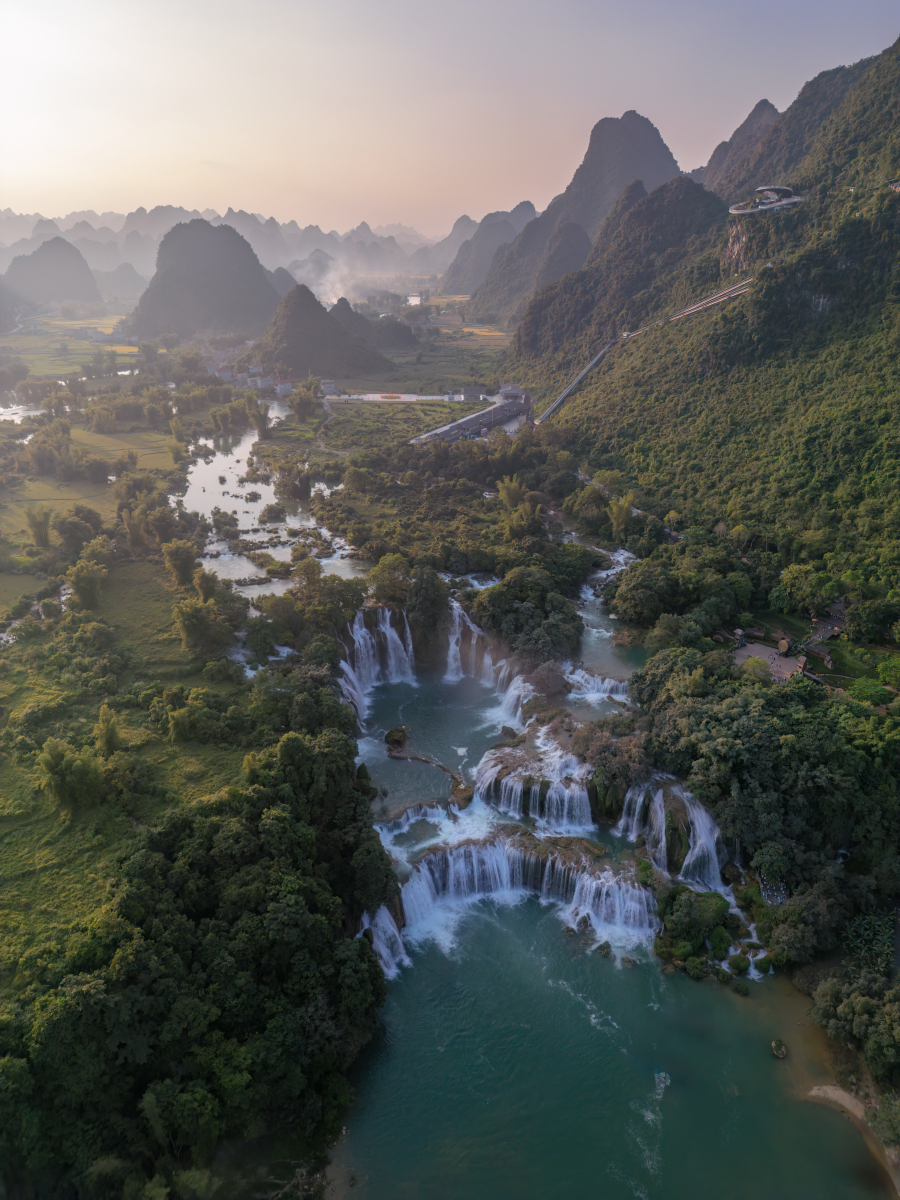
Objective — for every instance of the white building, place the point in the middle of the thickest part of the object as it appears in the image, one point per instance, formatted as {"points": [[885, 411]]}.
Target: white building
{"points": [[328, 387]]}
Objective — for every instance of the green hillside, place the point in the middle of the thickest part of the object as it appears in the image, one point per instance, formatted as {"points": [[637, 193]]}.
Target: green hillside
{"points": [[779, 410]]}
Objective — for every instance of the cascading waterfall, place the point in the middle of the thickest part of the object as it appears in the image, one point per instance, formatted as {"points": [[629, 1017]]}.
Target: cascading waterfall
{"points": [[379, 656], [468, 652], [386, 941], [614, 906], [594, 688], [707, 855], [552, 790], [644, 812], [634, 812], [416, 812]]}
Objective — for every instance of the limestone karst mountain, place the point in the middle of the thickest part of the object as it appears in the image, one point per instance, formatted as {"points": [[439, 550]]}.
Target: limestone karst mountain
{"points": [[474, 257], [621, 149], [304, 339], [732, 158], [207, 279], [123, 283], [770, 151], [53, 272], [386, 334]]}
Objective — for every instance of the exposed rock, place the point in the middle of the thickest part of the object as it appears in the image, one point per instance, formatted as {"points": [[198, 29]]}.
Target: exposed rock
{"points": [[398, 736]]}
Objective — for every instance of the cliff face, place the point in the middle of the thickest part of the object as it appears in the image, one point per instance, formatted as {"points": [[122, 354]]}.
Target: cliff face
{"points": [[54, 271], [621, 149], [207, 279], [305, 339]]}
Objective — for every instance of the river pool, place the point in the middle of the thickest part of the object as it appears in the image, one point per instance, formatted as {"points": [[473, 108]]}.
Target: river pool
{"points": [[514, 1061]]}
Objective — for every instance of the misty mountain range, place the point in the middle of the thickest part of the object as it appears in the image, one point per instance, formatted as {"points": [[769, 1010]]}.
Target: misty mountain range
{"points": [[501, 262]]}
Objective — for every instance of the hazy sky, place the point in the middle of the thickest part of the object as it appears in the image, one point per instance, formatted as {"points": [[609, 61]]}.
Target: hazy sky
{"points": [[382, 110]]}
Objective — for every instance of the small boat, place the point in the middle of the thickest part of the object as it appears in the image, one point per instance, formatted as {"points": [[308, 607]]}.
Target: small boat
{"points": [[779, 1049]]}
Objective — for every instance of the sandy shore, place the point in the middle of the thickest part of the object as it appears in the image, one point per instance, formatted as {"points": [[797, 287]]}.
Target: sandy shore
{"points": [[839, 1098]]}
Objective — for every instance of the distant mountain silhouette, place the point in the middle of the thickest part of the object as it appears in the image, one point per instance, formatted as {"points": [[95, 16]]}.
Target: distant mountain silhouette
{"points": [[207, 279], [438, 257], [306, 340], [265, 237], [473, 259], [732, 158], [621, 149], [386, 333], [54, 271], [124, 282], [281, 280]]}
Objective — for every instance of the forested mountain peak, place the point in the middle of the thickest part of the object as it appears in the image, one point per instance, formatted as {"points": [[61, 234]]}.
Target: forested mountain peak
{"points": [[304, 339], [730, 158], [776, 156], [777, 410], [620, 150], [207, 279]]}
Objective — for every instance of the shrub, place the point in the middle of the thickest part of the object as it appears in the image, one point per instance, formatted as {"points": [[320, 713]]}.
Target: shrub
{"points": [[181, 561], [870, 691], [720, 941], [695, 968], [739, 963], [85, 579], [741, 987]]}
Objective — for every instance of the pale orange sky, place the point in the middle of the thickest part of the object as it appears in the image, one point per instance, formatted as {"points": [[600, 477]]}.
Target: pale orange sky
{"points": [[334, 113]]}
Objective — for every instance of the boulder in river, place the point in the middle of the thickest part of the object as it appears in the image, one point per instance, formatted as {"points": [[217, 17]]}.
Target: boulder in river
{"points": [[398, 736]]}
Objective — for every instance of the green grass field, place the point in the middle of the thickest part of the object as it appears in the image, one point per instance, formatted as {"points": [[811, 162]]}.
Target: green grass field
{"points": [[41, 353], [54, 866], [366, 424]]}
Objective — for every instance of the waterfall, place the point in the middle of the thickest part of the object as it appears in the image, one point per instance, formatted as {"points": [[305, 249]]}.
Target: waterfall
{"points": [[512, 700], [656, 832], [386, 941], [644, 812], [707, 853], [594, 688], [375, 657], [551, 789], [399, 664], [468, 652], [416, 812], [631, 823], [470, 872]]}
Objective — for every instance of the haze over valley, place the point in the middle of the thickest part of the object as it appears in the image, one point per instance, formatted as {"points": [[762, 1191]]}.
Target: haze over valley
{"points": [[450, 681]]}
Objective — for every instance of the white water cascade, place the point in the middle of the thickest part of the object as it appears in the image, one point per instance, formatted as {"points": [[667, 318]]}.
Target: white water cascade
{"points": [[386, 941], [594, 688], [707, 854], [378, 655], [416, 812], [468, 652], [615, 907], [552, 789], [644, 812]]}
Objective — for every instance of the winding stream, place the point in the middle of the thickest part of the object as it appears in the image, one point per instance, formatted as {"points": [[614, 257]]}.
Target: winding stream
{"points": [[530, 1046]]}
